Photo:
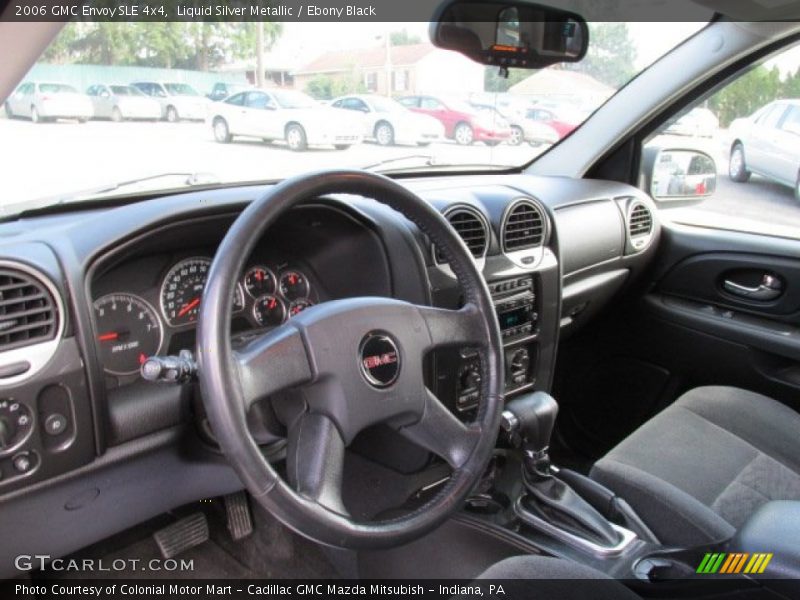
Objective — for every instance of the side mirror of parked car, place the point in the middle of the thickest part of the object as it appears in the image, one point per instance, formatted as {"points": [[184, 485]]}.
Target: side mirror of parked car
{"points": [[510, 33], [679, 175]]}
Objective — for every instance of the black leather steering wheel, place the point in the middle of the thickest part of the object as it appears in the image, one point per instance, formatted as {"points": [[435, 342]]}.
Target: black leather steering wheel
{"points": [[357, 362]]}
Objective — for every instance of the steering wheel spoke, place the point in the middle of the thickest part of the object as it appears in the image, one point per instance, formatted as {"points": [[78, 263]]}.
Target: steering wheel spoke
{"points": [[272, 362], [315, 460], [462, 327], [441, 432]]}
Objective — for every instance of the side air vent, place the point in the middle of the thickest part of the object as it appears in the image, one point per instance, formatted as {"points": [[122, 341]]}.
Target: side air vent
{"points": [[28, 311], [470, 228], [523, 227], [640, 224]]}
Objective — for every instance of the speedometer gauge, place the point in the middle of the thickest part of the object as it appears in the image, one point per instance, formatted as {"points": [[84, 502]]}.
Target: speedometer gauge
{"points": [[129, 331], [182, 291]]}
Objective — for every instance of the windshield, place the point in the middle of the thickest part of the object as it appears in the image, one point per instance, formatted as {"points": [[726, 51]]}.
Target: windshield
{"points": [[303, 65], [382, 104], [290, 99], [57, 88], [125, 90], [181, 89]]}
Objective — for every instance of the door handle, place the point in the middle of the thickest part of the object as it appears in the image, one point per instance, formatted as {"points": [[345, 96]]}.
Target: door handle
{"points": [[770, 288]]}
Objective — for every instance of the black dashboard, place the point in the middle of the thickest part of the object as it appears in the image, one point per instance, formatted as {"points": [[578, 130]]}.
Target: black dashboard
{"points": [[112, 286]]}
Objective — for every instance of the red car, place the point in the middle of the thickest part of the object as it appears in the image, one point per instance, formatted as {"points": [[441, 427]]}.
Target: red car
{"points": [[462, 123], [563, 120]]}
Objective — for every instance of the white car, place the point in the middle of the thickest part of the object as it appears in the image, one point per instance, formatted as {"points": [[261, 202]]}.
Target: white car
{"points": [[284, 115], [178, 100], [45, 101], [120, 102], [698, 122], [388, 122]]}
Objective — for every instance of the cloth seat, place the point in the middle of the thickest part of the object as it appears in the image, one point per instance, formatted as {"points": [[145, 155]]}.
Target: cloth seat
{"points": [[696, 471]]}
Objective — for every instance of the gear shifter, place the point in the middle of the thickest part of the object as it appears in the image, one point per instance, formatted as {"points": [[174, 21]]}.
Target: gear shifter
{"points": [[529, 421]]}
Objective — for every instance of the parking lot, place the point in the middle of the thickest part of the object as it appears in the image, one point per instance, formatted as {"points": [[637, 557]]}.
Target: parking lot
{"points": [[54, 159]]}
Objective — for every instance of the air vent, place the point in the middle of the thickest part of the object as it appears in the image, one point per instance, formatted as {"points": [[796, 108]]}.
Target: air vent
{"points": [[470, 228], [28, 313], [640, 224], [523, 227]]}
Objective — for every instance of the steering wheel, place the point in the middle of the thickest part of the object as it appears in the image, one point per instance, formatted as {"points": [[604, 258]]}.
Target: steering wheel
{"points": [[356, 362]]}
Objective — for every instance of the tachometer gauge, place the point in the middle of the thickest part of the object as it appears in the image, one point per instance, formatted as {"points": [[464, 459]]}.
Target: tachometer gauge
{"points": [[182, 291], [299, 306], [259, 281], [129, 331], [294, 285], [269, 310]]}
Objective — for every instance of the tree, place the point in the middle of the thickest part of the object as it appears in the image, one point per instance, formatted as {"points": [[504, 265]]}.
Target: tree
{"points": [[325, 87], [493, 82], [190, 45], [611, 57], [403, 38], [748, 93]]}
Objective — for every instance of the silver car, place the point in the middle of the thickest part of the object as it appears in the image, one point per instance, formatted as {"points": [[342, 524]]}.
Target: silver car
{"points": [[46, 101], [120, 102], [178, 100], [767, 143]]}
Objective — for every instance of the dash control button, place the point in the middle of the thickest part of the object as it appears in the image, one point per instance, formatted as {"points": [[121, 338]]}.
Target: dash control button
{"points": [[22, 462], [55, 424]]}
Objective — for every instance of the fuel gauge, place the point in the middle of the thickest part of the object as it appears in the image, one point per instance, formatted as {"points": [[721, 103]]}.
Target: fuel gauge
{"points": [[269, 310]]}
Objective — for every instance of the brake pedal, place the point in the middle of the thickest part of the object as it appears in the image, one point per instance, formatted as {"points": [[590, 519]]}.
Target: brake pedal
{"points": [[182, 535], [237, 510]]}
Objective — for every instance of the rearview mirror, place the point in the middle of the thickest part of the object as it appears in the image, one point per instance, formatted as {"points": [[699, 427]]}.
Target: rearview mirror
{"points": [[510, 34], [686, 176]]}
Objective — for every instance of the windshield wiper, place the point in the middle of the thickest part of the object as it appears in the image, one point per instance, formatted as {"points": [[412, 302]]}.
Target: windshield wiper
{"points": [[187, 179], [428, 161]]}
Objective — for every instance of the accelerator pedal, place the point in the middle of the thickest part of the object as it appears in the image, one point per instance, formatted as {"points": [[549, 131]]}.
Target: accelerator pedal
{"points": [[182, 535], [240, 521]]}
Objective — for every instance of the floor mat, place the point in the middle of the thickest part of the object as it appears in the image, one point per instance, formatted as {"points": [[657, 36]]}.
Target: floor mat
{"points": [[272, 551]]}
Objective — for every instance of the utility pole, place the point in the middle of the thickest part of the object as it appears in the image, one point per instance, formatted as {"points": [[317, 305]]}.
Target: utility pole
{"points": [[388, 38], [259, 54]]}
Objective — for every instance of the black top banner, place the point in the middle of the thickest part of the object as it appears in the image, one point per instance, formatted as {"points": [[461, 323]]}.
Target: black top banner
{"points": [[318, 11]]}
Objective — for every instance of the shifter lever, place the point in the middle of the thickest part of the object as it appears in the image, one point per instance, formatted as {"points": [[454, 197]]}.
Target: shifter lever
{"points": [[531, 419]]}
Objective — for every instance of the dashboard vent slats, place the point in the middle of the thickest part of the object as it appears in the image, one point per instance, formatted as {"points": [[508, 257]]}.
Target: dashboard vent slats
{"points": [[28, 313], [523, 227], [470, 228], [640, 221]]}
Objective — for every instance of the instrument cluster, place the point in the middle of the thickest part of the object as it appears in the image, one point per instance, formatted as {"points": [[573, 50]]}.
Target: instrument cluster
{"points": [[130, 328]]}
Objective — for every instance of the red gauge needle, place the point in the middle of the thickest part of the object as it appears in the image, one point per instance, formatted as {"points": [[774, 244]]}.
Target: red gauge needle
{"points": [[108, 337], [187, 307]]}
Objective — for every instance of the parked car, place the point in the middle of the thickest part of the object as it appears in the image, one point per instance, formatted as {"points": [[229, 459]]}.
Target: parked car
{"points": [[388, 122], [768, 143], [120, 102], [222, 90], [44, 101], [698, 122], [523, 129], [284, 115], [178, 100], [563, 119], [462, 122]]}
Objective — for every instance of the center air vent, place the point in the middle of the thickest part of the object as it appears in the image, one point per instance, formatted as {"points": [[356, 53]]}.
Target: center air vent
{"points": [[28, 313], [470, 228], [523, 227], [640, 224]]}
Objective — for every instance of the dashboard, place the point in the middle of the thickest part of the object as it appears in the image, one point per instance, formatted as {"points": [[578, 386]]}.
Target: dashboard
{"points": [[99, 291]]}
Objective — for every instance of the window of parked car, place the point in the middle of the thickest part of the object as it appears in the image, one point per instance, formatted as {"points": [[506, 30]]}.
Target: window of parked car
{"points": [[750, 127], [181, 89], [354, 104], [125, 90], [236, 99], [259, 100], [291, 99], [430, 104]]}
